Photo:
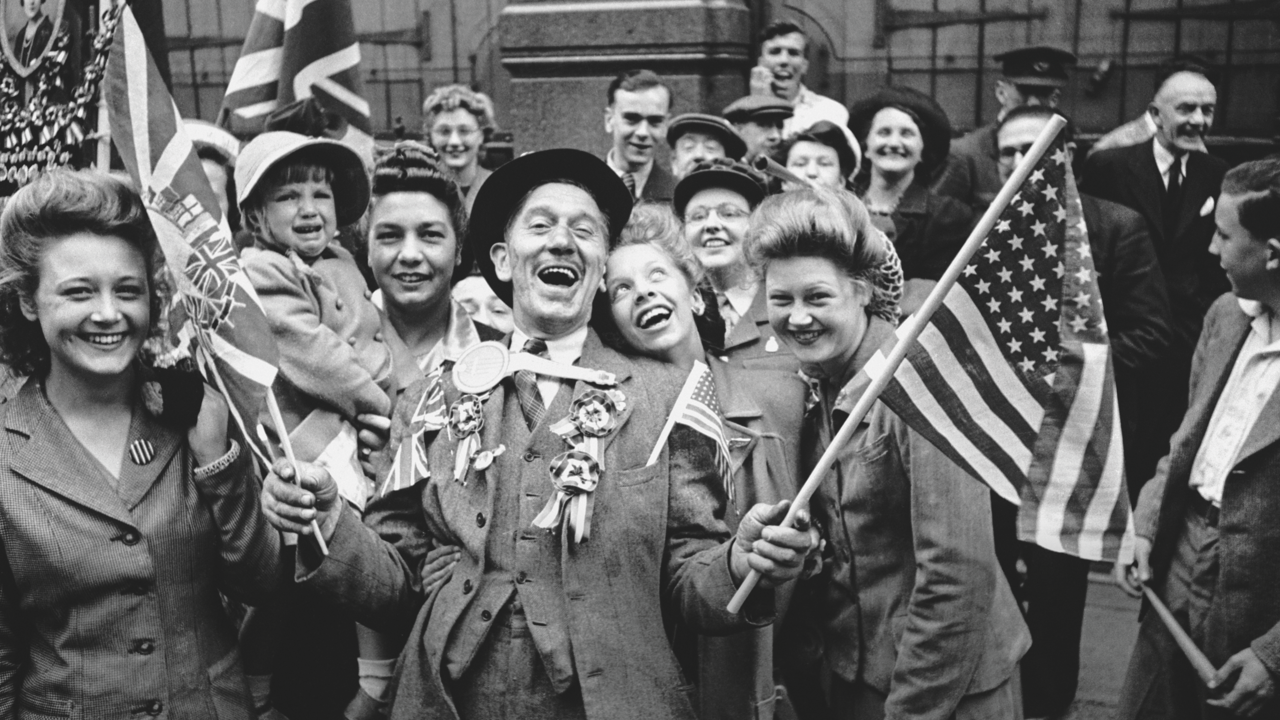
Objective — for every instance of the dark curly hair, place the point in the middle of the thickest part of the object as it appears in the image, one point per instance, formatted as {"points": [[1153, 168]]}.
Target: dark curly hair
{"points": [[413, 167], [55, 205]]}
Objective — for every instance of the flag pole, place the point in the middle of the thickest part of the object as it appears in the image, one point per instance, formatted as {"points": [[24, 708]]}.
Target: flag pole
{"points": [[273, 408], [1202, 666], [908, 333]]}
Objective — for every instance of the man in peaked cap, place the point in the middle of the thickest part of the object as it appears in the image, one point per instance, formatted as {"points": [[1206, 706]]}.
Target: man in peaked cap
{"points": [[1029, 76], [574, 546], [758, 119], [696, 137]]}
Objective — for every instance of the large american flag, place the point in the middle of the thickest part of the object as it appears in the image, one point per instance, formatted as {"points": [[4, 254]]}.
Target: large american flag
{"points": [[215, 308], [698, 407], [296, 49], [1012, 376]]}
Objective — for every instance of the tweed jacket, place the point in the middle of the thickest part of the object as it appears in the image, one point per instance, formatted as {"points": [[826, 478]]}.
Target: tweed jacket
{"points": [[1245, 611], [658, 548], [912, 601], [763, 410], [754, 345], [1193, 277], [971, 173], [109, 602]]}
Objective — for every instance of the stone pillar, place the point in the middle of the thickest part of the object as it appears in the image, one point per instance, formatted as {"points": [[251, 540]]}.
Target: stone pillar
{"points": [[562, 56]]}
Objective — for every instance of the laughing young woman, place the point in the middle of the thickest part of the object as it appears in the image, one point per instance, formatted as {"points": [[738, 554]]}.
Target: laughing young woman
{"points": [[652, 283], [119, 522], [916, 617]]}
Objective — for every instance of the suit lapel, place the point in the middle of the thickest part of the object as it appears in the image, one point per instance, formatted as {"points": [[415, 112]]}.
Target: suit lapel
{"points": [[150, 450], [747, 330], [53, 458], [598, 357], [1148, 186], [1217, 370], [1197, 187], [739, 409]]}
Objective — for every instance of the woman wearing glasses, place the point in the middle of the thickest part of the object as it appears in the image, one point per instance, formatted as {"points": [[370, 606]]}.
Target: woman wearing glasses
{"points": [[456, 120]]}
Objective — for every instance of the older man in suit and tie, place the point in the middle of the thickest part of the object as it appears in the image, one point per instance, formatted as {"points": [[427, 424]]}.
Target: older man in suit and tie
{"points": [[1208, 523], [1174, 185], [575, 545]]}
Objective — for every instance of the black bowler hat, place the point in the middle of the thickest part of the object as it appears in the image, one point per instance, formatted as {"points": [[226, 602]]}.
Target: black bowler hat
{"points": [[935, 126], [718, 128], [507, 187], [1038, 65], [719, 173]]}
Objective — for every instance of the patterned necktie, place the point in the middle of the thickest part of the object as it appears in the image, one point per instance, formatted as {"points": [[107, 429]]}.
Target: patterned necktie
{"points": [[727, 313], [1173, 200], [527, 386], [629, 179]]}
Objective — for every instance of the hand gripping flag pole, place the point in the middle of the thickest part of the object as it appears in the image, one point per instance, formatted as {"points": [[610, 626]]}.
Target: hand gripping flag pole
{"points": [[908, 334]]}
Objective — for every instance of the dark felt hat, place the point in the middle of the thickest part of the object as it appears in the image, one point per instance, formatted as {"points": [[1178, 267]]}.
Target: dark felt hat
{"points": [[758, 108], [734, 146], [935, 125], [720, 173], [500, 195], [1037, 65]]}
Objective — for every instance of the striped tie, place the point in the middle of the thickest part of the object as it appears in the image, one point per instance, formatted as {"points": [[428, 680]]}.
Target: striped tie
{"points": [[527, 386], [629, 179]]}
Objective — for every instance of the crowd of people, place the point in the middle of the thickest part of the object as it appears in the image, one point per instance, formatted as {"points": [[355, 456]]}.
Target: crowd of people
{"points": [[549, 416]]}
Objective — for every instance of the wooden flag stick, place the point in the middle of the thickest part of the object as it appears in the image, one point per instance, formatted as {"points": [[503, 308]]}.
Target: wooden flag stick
{"points": [[1203, 667], [907, 335], [273, 407]]}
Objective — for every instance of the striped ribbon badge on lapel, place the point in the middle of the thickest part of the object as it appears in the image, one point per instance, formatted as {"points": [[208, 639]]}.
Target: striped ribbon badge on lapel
{"points": [[141, 452]]}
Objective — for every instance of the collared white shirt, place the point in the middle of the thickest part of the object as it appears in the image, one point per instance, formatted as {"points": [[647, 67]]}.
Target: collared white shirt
{"points": [[1164, 161], [809, 108], [741, 298], [565, 350], [641, 175], [1252, 381]]}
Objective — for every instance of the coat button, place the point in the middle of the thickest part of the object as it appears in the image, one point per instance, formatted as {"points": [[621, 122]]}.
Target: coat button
{"points": [[337, 303], [143, 647], [522, 577], [486, 615], [351, 340], [155, 707], [530, 456], [480, 521], [466, 587], [131, 538], [368, 294]]}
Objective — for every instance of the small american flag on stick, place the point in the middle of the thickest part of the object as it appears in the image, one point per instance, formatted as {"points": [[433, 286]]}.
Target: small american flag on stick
{"points": [[697, 407], [1012, 375]]}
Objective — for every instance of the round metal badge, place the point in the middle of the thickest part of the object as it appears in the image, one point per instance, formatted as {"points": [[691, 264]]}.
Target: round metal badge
{"points": [[481, 367]]}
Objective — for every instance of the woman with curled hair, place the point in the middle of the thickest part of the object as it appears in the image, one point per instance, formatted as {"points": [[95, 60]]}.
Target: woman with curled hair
{"points": [[125, 506], [906, 136], [456, 120], [825, 154], [915, 618], [660, 307]]}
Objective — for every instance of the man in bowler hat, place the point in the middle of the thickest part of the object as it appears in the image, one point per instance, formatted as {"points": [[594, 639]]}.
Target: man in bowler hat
{"points": [[541, 619]]}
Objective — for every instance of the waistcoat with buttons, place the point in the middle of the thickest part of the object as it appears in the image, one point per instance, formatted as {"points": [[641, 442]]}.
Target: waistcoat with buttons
{"points": [[522, 562]]}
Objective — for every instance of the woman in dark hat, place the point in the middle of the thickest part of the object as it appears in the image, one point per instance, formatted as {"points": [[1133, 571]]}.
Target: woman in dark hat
{"points": [[826, 154], [906, 137]]}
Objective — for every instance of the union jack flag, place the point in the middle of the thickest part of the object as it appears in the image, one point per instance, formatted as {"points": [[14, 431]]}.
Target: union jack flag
{"points": [[1012, 376], [214, 304], [409, 465], [296, 49]]}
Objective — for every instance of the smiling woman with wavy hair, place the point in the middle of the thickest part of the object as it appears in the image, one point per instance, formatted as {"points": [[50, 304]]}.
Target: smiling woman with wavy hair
{"points": [[122, 517]]}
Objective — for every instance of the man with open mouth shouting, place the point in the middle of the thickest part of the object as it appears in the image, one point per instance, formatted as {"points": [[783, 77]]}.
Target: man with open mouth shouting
{"points": [[541, 619], [780, 69]]}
